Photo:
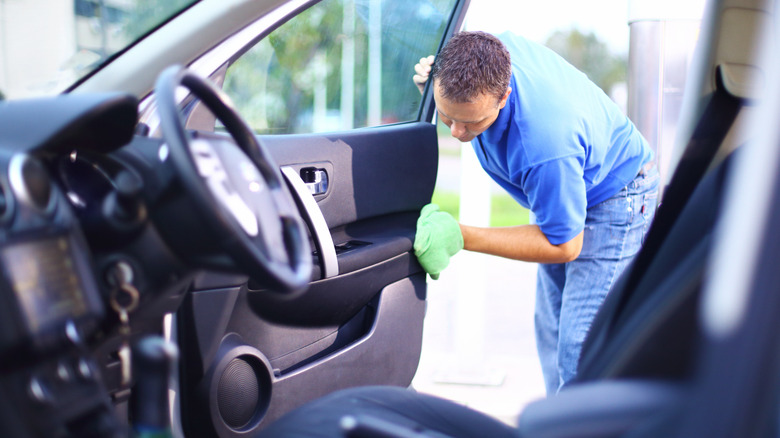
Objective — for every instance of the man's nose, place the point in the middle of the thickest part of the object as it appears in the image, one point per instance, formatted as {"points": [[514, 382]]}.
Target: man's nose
{"points": [[457, 130]]}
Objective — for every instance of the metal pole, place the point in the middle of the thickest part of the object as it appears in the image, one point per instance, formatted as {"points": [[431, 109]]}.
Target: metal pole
{"points": [[663, 35], [348, 66], [3, 48], [103, 17], [375, 63]]}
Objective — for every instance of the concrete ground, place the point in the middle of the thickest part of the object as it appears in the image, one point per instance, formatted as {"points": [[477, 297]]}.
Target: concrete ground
{"points": [[482, 354], [478, 342]]}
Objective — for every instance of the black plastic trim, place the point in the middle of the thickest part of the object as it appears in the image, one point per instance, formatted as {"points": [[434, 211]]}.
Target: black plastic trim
{"points": [[333, 301]]}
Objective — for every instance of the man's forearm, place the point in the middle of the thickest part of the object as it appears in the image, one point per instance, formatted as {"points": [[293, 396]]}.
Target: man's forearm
{"points": [[523, 242]]}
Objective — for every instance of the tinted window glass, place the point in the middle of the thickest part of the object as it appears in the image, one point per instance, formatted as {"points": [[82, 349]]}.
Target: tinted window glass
{"points": [[341, 64]]}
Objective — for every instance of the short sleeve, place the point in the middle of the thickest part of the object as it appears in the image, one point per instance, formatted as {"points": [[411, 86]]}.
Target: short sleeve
{"points": [[557, 197]]}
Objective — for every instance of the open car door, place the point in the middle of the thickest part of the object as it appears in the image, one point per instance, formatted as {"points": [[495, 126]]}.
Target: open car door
{"points": [[328, 89]]}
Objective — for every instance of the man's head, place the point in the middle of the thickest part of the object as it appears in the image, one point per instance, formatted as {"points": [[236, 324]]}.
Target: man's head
{"points": [[471, 83]]}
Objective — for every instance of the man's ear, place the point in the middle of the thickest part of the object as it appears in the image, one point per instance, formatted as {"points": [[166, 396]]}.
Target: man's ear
{"points": [[502, 103]]}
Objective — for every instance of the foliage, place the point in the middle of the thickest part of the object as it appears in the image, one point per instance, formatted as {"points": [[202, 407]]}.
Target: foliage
{"points": [[504, 211], [591, 56], [145, 15], [280, 83]]}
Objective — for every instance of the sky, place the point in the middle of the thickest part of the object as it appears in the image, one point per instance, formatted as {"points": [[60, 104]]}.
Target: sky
{"points": [[608, 19]]}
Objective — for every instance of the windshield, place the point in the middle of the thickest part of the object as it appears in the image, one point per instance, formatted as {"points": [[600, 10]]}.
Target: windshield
{"points": [[48, 45]]}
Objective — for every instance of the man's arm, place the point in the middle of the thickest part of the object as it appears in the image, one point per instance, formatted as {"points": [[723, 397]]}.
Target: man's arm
{"points": [[523, 242]]}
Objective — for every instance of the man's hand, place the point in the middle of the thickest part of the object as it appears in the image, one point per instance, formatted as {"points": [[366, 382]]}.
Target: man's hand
{"points": [[438, 238], [422, 69]]}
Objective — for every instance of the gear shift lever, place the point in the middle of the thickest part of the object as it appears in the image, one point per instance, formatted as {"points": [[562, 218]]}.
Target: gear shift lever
{"points": [[153, 362]]}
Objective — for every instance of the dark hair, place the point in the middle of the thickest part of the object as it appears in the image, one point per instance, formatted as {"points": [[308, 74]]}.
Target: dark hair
{"points": [[470, 64]]}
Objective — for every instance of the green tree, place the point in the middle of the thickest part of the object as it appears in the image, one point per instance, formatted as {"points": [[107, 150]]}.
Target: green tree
{"points": [[144, 15], [274, 83], [589, 55]]}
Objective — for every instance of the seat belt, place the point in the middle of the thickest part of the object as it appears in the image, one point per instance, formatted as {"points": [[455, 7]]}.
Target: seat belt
{"points": [[714, 124]]}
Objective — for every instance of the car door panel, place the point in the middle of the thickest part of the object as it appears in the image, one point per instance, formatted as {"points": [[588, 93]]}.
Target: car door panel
{"points": [[387, 354], [381, 344], [362, 326], [360, 320], [371, 209], [373, 347], [376, 171]]}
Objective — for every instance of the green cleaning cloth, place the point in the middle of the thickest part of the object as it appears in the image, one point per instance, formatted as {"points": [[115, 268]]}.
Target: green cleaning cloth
{"points": [[438, 238]]}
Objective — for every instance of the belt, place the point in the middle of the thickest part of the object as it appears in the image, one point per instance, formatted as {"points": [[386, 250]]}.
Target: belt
{"points": [[646, 168]]}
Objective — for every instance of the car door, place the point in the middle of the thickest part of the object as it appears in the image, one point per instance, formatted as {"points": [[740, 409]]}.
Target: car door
{"points": [[330, 94]]}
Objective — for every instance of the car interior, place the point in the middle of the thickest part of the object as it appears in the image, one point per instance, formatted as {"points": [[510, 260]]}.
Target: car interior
{"points": [[167, 260]]}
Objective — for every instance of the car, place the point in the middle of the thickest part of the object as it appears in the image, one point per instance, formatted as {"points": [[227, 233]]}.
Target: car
{"points": [[241, 181], [279, 265]]}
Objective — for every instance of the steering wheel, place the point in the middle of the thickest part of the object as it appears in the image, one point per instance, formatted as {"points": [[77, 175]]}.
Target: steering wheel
{"points": [[237, 188]]}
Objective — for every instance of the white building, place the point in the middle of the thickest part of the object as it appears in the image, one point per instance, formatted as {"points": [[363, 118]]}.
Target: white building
{"points": [[44, 44]]}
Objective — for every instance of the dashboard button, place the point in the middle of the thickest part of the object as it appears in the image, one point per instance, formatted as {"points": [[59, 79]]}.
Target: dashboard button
{"points": [[84, 370], [64, 372], [38, 391]]}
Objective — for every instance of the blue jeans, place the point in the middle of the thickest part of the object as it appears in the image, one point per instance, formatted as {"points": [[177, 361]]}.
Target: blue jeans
{"points": [[568, 295]]}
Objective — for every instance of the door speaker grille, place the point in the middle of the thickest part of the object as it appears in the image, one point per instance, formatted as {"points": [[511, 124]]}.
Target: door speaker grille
{"points": [[238, 394]]}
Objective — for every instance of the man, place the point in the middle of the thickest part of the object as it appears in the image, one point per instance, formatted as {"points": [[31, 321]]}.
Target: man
{"points": [[560, 147]]}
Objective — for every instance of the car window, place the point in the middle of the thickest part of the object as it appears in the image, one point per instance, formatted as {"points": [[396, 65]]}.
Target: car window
{"points": [[340, 64]]}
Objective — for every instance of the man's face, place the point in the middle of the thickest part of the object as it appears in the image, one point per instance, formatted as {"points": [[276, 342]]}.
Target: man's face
{"points": [[468, 119]]}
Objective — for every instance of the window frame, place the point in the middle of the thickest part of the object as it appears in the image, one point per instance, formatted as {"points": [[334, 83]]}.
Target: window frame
{"points": [[214, 62]]}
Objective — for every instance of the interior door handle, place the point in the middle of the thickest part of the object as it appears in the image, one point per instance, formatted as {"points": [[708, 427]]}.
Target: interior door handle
{"points": [[316, 180], [313, 217]]}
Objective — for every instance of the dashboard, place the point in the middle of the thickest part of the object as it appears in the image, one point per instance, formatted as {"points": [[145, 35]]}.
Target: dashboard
{"points": [[99, 223], [51, 304]]}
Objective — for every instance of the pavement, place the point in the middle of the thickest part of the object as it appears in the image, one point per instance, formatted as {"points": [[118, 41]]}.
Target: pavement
{"points": [[478, 341]]}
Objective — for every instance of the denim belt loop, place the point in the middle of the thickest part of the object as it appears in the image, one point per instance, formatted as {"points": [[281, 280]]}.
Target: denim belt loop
{"points": [[646, 168]]}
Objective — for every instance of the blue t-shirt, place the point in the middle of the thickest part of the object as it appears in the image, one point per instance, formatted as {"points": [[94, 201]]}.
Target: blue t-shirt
{"points": [[560, 145]]}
